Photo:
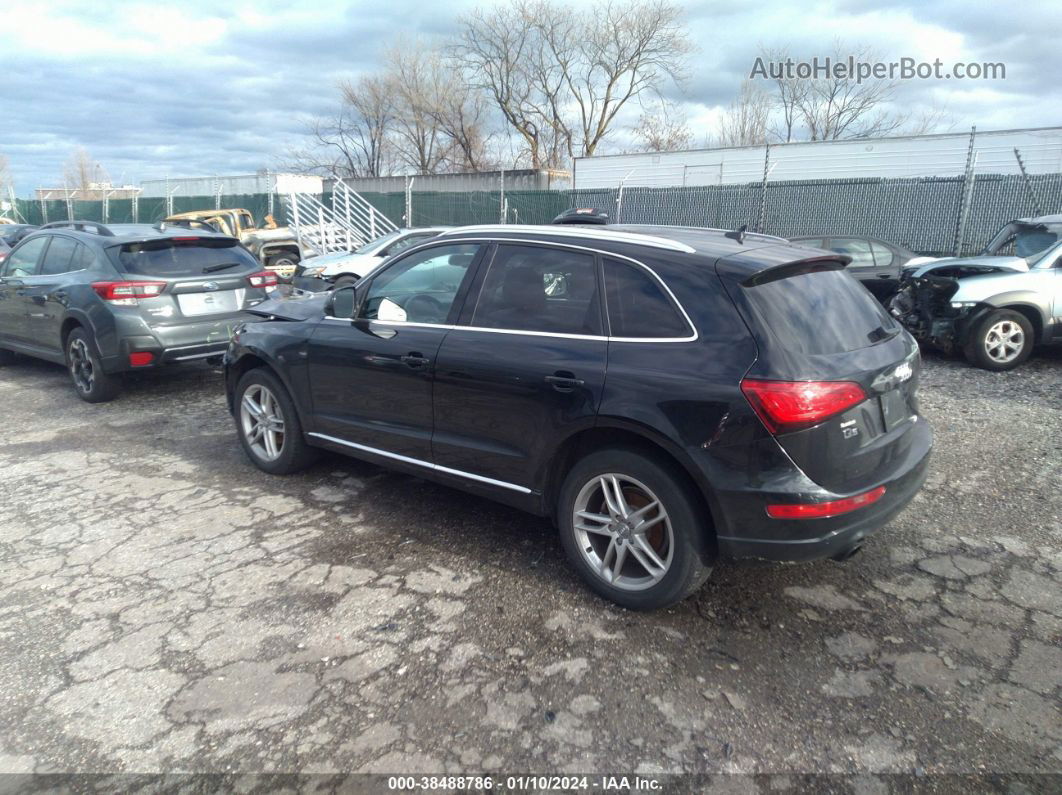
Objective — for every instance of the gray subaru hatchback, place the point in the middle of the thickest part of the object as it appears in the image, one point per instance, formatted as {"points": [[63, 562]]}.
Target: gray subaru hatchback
{"points": [[108, 300]]}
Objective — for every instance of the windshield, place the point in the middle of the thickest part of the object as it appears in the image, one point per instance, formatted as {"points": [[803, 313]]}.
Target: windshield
{"points": [[378, 243], [182, 257], [1023, 240]]}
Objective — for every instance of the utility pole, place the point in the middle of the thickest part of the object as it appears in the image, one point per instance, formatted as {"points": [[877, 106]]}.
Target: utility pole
{"points": [[967, 184]]}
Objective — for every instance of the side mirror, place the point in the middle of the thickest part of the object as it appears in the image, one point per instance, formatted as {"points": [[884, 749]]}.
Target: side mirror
{"points": [[342, 302]]}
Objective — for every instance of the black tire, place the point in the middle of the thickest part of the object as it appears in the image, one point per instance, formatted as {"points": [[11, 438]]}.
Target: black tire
{"points": [[345, 281], [293, 454], [284, 260], [994, 327], [7, 357], [689, 561], [83, 362]]}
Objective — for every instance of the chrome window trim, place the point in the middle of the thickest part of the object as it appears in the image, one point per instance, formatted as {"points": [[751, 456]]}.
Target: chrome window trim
{"points": [[583, 232], [439, 240], [417, 462]]}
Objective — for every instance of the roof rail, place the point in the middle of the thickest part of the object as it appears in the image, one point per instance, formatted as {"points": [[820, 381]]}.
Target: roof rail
{"points": [[80, 226], [589, 232]]}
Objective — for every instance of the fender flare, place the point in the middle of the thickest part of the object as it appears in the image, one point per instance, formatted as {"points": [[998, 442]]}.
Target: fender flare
{"points": [[1023, 299]]}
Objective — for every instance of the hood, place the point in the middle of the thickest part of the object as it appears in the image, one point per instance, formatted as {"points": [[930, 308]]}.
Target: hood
{"points": [[988, 264], [324, 259], [358, 264], [280, 233], [299, 306]]}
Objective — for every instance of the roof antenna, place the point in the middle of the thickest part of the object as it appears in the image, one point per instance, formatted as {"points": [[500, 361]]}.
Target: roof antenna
{"points": [[739, 234]]}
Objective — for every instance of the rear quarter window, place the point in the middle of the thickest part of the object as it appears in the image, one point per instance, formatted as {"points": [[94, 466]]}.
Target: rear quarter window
{"points": [[820, 313], [176, 257]]}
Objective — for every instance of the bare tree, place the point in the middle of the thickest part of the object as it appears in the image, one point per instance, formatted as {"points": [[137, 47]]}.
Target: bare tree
{"points": [[414, 79], [790, 95], [494, 49], [560, 77], [610, 55], [81, 171], [662, 128], [462, 114], [744, 122]]}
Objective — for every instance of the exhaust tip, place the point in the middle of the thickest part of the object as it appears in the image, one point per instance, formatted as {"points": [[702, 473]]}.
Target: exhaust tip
{"points": [[847, 554]]}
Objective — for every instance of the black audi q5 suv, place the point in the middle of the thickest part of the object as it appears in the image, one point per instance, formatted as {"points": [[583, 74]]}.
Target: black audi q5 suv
{"points": [[666, 395]]}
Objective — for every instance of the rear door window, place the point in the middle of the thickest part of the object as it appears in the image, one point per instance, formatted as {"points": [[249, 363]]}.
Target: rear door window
{"points": [[638, 307], [820, 312], [183, 257], [23, 260], [61, 257], [538, 288], [859, 250]]}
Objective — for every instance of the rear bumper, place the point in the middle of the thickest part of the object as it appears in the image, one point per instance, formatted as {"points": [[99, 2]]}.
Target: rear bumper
{"points": [[187, 342], [759, 536]]}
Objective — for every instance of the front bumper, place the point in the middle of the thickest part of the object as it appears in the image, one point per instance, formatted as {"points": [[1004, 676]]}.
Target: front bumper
{"points": [[812, 539]]}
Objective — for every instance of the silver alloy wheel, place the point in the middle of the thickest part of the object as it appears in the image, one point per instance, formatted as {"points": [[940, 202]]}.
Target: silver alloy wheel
{"points": [[623, 532], [81, 367], [262, 422], [1004, 341]]}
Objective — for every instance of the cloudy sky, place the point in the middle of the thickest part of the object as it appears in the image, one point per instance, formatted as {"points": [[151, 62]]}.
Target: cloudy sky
{"points": [[200, 88]]}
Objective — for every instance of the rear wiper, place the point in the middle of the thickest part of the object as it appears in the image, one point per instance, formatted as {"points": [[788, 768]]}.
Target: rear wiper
{"points": [[220, 266]]}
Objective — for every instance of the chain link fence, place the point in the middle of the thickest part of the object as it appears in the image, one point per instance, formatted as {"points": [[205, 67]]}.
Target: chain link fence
{"points": [[924, 214]]}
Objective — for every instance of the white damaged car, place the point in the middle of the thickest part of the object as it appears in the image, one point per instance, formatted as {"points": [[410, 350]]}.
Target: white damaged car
{"points": [[995, 307], [346, 267]]}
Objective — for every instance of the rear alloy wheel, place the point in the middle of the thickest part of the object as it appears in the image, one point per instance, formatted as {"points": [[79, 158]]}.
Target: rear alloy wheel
{"points": [[268, 425], [632, 529], [90, 382], [1000, 341]]}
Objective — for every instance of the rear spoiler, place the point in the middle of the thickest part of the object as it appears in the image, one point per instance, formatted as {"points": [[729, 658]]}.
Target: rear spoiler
{"points": [[832, 262]]}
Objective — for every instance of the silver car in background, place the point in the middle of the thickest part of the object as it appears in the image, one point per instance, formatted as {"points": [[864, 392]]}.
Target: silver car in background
{"points": [[995, 307]]}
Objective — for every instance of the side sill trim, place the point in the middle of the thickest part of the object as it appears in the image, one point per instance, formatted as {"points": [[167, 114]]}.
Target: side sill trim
{"points": [[418, 462]]}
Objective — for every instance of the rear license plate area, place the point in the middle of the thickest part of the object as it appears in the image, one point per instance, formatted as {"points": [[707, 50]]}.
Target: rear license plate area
{"points": [[894, 409], [195, 304]]}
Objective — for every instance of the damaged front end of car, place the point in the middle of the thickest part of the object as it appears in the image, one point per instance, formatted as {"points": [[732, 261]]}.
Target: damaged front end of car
{"points": [[932, 301]]}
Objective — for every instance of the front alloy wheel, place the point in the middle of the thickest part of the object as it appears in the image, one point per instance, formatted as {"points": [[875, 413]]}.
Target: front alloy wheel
{"points": [[1001, 340], [623, 532], [267, 424], [262, 422], [1004, 341]]}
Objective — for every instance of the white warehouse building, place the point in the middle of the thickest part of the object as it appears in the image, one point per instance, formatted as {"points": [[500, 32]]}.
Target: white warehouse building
{"points": [[941, 155]]}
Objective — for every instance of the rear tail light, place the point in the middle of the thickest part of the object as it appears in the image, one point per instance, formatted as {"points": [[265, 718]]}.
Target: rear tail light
{"points": [[127, 293], [262, 279], [141, 358], [824, 510], [786, 406]]}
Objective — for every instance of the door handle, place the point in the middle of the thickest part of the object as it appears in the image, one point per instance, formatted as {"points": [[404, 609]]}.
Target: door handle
{"points": [[414, 360], [563, 381]]}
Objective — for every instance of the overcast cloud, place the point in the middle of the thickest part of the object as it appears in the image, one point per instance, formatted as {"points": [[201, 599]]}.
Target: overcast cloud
{"points": [[155, 90]]}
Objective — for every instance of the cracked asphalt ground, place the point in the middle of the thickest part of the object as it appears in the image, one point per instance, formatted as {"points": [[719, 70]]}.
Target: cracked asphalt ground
{"points": [[164, 606]]}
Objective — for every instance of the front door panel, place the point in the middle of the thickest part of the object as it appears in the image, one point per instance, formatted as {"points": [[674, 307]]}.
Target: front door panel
{"points": [[371, 384]]}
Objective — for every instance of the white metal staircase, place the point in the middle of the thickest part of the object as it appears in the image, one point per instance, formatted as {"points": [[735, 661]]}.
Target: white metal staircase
{"points": [[348, 224]]}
